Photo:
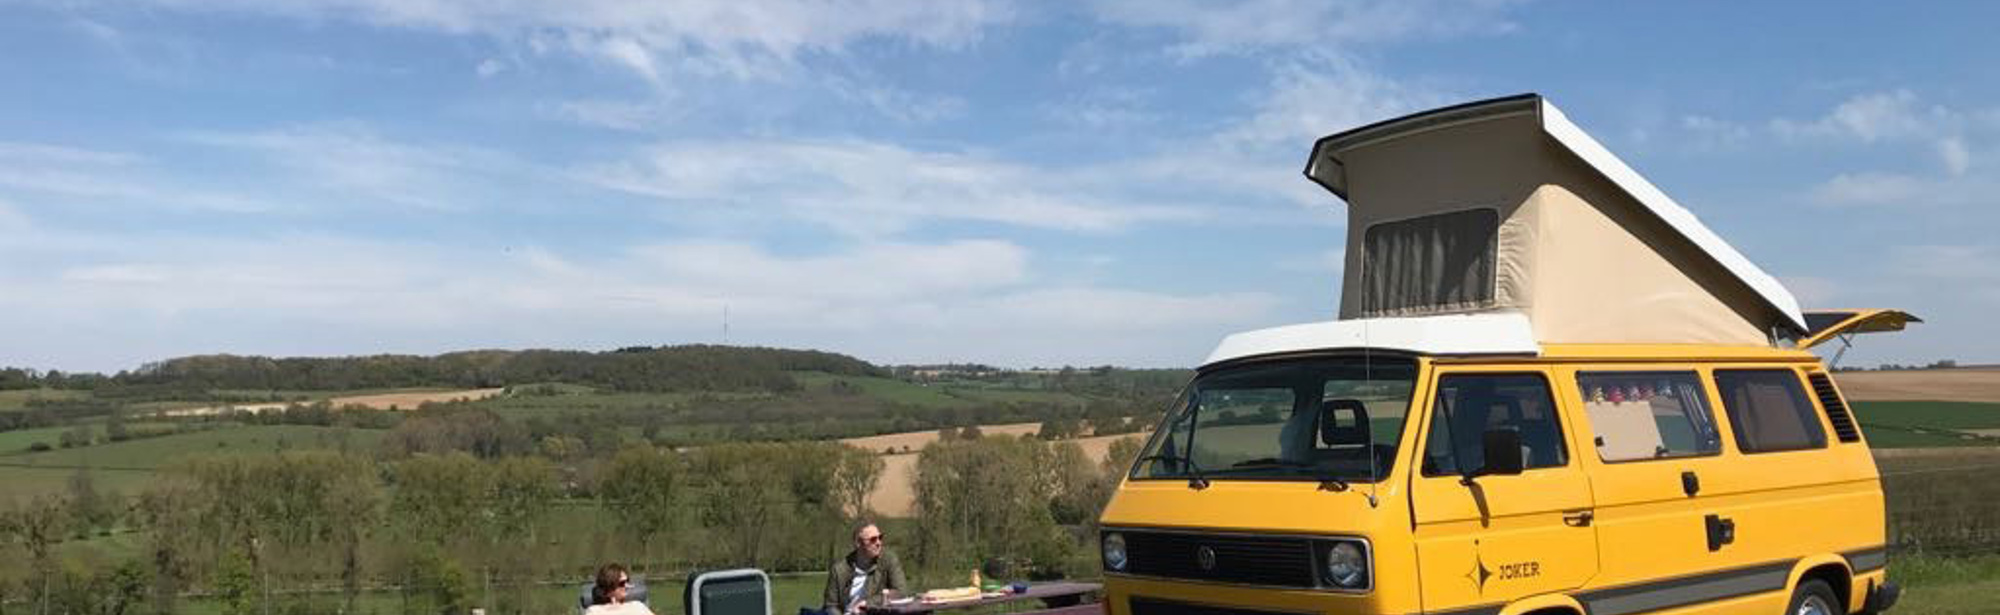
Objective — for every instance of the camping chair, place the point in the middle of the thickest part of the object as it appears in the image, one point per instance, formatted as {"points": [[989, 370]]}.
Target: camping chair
{"points": [[743, 591]]}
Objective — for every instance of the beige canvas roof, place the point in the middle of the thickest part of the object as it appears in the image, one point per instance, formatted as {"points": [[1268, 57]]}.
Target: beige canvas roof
{"points": [[1504, 205]]}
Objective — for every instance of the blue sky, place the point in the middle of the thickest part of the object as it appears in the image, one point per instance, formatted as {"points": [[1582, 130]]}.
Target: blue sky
{"points": [[1036, 183]]}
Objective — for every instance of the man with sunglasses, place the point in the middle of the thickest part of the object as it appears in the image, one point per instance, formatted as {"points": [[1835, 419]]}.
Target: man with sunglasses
{"points": [[869, 573]]}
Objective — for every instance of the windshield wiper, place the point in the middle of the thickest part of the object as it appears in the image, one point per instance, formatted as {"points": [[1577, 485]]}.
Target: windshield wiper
{"points": [[1195, 479], [1271, 462], [1326, 483]]}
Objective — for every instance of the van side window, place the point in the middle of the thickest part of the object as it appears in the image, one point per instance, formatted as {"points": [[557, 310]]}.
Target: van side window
{"points": [[1648, 415], [1769, 410], [1468, 405]]}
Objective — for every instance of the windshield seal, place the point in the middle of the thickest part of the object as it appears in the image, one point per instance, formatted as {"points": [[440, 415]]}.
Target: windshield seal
{"points": [[1242, 421]]}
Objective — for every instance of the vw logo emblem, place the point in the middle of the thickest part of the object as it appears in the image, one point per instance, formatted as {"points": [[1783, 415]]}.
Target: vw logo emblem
{"points": [[1205, 557]]}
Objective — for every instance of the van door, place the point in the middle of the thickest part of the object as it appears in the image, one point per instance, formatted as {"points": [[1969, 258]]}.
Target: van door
{"points": [[1655, 458], [1493, 539]]}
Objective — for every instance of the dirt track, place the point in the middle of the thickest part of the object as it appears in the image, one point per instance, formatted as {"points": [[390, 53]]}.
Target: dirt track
{"points": [[916, 440], [895, 495]]}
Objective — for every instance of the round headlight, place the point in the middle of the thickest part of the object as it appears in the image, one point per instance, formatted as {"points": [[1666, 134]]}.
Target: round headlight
{"points": [[1346, 566], [1114, 551]]}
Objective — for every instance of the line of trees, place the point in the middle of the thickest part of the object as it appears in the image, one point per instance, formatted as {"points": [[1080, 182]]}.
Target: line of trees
{"points": [[645, 369], [316, 531]]}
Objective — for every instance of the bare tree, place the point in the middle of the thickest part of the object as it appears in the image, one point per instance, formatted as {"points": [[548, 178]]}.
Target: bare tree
{"points": [[856, 474]]}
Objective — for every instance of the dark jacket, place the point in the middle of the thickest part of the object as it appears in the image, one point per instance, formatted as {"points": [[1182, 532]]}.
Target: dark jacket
{"points": [[888, 574]]}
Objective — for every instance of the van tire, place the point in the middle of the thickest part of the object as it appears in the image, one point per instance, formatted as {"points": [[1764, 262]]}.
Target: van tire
{"points": [[1814, 597]]}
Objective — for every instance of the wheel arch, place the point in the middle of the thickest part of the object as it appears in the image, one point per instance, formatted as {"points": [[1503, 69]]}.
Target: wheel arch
{"points": [[1830, 568], [1545, 604]]}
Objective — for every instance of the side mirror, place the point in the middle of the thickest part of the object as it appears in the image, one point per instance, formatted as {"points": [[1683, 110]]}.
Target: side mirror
{"points": [[1503, 455], [1352, 431]]}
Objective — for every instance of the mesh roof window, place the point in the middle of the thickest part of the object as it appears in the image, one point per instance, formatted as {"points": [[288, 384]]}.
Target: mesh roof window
{"points": [[1430, 263]]}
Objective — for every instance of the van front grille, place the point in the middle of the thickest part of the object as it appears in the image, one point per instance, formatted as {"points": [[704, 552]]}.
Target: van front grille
{"points": [[1836, 411], [1254, 560]]}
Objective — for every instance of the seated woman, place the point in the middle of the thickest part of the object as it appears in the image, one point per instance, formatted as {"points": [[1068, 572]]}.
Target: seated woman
{"points": [[608, 596]]}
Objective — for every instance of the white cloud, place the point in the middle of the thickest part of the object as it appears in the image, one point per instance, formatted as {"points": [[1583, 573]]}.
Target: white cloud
{"points": [[628, 53], [627, 115], [1874, 189], [113, 178], [1907, 190], [1307, 100], [1899, 117], [1108, 310], [489, 67], [1218, 27], [718, 36], [874, 273], [1107, 108], [1956, 158], [316, 294], [872, 188], [1254, 160], [353, 162], [1324, 262], [898, 104], [1872, 117], [1711, 133], [1813, 291], [1972, 264], [130, 273], [12, 220]]}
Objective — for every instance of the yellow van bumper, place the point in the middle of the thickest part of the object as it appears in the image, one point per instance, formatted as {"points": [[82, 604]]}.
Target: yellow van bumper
{"points": [[1126, 595]]}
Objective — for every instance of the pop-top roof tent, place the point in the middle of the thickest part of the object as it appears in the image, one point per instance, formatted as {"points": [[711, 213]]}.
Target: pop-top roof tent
{"points": [[1506, 216]]}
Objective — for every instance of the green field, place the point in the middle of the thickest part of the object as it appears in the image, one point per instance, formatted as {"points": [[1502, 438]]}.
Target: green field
{"points": [[1949, 415], [19, 440], [15, 400], [153, 453], [1927, 424], [1899, 437], [572, 400], [1009, 396], [885, 389]]}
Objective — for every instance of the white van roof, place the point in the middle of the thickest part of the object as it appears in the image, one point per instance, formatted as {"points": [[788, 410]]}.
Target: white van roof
{"points": [[1491, 333]]}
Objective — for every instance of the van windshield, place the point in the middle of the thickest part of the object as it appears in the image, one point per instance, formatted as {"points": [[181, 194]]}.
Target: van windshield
{"points": [[1303, 419]]}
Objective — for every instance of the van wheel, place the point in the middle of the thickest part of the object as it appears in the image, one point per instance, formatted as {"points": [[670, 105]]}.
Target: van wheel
{"points": [[1813, 597]]}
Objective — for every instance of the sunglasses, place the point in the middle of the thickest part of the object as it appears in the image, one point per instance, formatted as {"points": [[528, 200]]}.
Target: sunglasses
{"points": [[876, 539]]}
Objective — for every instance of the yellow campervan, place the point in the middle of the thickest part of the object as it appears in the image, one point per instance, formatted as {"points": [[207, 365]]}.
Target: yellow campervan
{"points": [[1550, 390]]}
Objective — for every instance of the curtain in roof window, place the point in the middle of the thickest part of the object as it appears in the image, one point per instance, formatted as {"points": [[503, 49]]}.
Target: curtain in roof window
{"points": [[1433, 263]]}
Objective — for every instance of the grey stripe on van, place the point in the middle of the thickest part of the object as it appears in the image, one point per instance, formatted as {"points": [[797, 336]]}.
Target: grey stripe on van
{"points": [[1695, 589], [1491, 609], [1867, 560]]}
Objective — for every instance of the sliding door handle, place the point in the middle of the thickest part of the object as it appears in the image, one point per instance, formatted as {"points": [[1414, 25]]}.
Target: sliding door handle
{"points": [[1721, 531]]}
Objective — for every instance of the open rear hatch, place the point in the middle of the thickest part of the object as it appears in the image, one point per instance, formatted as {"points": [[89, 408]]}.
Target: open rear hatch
{"points": [[1845, 324]]}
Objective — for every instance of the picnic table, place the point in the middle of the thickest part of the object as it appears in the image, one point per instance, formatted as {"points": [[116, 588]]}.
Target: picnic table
{"points": [[1053, 595]]}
